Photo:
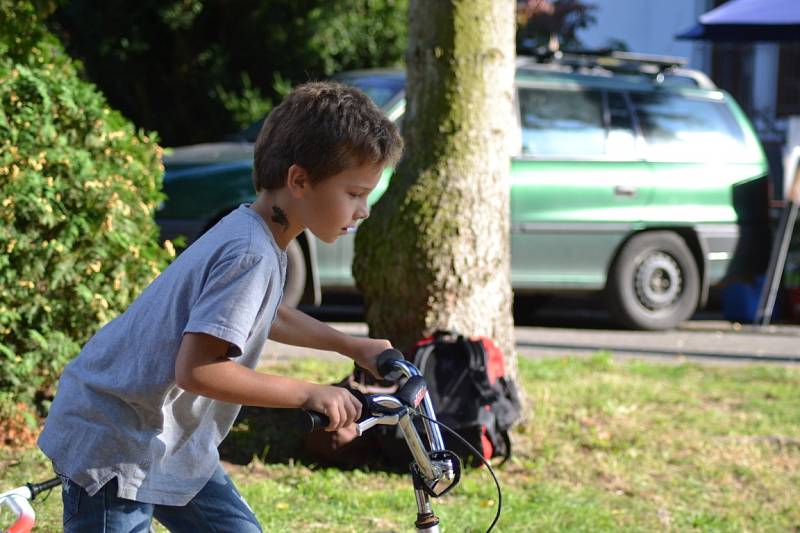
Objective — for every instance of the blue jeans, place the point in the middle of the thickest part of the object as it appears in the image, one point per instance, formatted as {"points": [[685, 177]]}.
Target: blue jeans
{"points": [[217, 507]]}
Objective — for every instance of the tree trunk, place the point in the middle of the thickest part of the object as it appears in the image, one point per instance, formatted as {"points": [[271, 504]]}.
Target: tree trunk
{"points": [[435, 253]]}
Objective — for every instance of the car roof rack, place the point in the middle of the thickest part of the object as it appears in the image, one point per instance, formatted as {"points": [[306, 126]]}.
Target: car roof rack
{"points": [[612, 60]]}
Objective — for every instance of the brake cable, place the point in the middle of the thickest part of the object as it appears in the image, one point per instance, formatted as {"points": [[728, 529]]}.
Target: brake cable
{"points": [[482, 458]]}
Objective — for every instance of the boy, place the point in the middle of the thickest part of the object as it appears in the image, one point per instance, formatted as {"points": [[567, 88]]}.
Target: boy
{"points": [[134, 428]]}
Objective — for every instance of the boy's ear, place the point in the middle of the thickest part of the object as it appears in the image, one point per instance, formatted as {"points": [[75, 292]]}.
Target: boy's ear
{"points": [[297, 180]]}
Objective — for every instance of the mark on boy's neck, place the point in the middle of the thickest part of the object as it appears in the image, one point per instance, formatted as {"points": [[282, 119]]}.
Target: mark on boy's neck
{"points": [[279, 216]]}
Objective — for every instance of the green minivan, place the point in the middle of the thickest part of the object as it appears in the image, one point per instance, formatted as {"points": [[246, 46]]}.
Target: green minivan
{"points": [[634, 177]]}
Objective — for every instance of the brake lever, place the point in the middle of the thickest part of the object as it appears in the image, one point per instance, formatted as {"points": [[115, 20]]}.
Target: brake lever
{"points": [[371, 422]]}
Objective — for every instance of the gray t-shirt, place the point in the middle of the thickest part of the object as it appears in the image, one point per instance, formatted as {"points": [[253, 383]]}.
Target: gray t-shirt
{"points": [[118, 412]]}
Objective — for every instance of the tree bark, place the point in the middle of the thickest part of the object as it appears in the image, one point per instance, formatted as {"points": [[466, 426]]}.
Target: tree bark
{"points": [[435, 253]]}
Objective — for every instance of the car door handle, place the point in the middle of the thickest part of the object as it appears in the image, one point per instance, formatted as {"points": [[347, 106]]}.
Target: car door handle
{"points": [[624, 190]]}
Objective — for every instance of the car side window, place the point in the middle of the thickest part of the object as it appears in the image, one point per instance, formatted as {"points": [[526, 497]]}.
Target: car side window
{"points": [[620, 138], [559, 122], [681, 128]]}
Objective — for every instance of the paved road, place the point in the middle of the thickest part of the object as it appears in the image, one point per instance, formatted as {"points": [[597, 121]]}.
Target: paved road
{"points": [[707, 341]]}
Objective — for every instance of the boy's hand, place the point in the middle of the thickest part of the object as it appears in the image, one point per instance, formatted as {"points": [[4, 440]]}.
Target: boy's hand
{"points": [[341, 407], [365, 353]]}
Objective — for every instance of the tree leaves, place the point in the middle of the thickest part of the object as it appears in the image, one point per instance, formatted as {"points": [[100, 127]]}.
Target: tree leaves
{"points": [[197, 70]]}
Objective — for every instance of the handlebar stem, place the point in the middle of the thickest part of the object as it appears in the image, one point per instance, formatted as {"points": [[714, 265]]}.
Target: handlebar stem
{"points": [[432, 430], [434, 434], [429, 471]]}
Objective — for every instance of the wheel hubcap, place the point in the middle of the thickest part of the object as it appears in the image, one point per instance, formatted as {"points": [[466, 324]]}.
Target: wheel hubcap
{"points": [[658, 281]]}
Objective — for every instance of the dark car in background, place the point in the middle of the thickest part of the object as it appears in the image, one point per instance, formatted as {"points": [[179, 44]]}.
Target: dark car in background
{"points": [[633, 176]]}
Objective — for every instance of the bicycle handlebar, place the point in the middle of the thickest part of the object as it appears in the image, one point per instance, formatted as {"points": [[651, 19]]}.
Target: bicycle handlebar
{"points": [[390, 366], [316, 420], [433, 464], [37, 488], [410, 395]]}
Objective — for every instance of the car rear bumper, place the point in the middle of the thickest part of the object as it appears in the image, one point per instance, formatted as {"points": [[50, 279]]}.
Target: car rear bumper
{"points": [[734, 252]]}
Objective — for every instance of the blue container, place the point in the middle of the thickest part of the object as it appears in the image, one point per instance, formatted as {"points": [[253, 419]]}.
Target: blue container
{"points": [[740, 301]]}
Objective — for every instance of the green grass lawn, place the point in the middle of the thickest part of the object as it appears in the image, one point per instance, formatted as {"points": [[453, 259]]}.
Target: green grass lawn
{"points": [[607, 446]]}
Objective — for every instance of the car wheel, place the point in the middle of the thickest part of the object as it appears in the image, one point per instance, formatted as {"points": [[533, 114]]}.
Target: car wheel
{"points": [[295, 283], [654, 282]]}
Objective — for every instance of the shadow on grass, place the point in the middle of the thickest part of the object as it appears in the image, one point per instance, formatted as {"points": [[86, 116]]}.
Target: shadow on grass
{"points": [[269, 435], [278, 436]]}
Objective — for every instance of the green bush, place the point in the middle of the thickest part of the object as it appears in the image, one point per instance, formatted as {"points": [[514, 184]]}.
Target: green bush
{"points": [[78, 187]]}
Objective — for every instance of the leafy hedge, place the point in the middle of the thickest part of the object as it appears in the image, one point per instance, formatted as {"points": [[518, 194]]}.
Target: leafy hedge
{"points": [[78, 187]]}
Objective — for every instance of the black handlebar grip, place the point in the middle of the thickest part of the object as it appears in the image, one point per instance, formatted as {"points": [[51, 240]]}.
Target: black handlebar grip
{"points": [[314, 421], [36, 488], [385, 364]]}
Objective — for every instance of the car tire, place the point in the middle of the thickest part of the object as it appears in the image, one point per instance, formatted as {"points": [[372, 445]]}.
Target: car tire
{"points": [[295, 283], [654, 282]]}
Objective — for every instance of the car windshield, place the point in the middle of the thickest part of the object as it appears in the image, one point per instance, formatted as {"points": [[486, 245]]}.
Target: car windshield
{"points": [[382, 88]]}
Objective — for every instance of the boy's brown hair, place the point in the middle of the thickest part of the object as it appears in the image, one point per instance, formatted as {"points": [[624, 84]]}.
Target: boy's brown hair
{"points": [[325, 128]]}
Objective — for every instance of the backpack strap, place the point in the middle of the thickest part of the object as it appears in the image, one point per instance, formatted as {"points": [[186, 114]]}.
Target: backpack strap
{"points": [[477, 369], [507, 441], [422, 355]]}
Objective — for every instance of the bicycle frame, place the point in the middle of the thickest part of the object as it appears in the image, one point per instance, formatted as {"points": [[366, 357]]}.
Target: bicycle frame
{"points": [[17, 500]]}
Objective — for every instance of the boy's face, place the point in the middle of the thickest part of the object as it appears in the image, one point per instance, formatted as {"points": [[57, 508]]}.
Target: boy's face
{"points": [[339, 201]]}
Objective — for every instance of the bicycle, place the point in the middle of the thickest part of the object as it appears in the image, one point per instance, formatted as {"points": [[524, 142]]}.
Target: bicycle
{"points": [[17, 500], [434, 470]]}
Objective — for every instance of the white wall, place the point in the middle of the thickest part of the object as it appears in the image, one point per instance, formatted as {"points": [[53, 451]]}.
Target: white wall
{"points": [[648, 26]]}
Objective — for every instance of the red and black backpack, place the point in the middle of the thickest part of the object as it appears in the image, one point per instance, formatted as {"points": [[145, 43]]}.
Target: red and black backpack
{"points": [[471, 393]]}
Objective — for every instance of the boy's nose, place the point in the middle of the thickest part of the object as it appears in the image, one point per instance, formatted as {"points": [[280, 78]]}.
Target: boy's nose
{"points": [[363, 212]]}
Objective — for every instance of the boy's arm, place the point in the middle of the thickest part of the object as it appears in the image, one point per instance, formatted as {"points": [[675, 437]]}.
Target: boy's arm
{"points": [[298, 329], [201, 367]]}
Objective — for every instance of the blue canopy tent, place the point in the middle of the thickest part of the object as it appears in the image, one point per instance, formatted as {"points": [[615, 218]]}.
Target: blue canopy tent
{"points": [[749, 20]]}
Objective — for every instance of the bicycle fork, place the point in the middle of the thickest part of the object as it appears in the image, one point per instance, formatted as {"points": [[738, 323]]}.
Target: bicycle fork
{"points": [[427, 521], [428, 474]]}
